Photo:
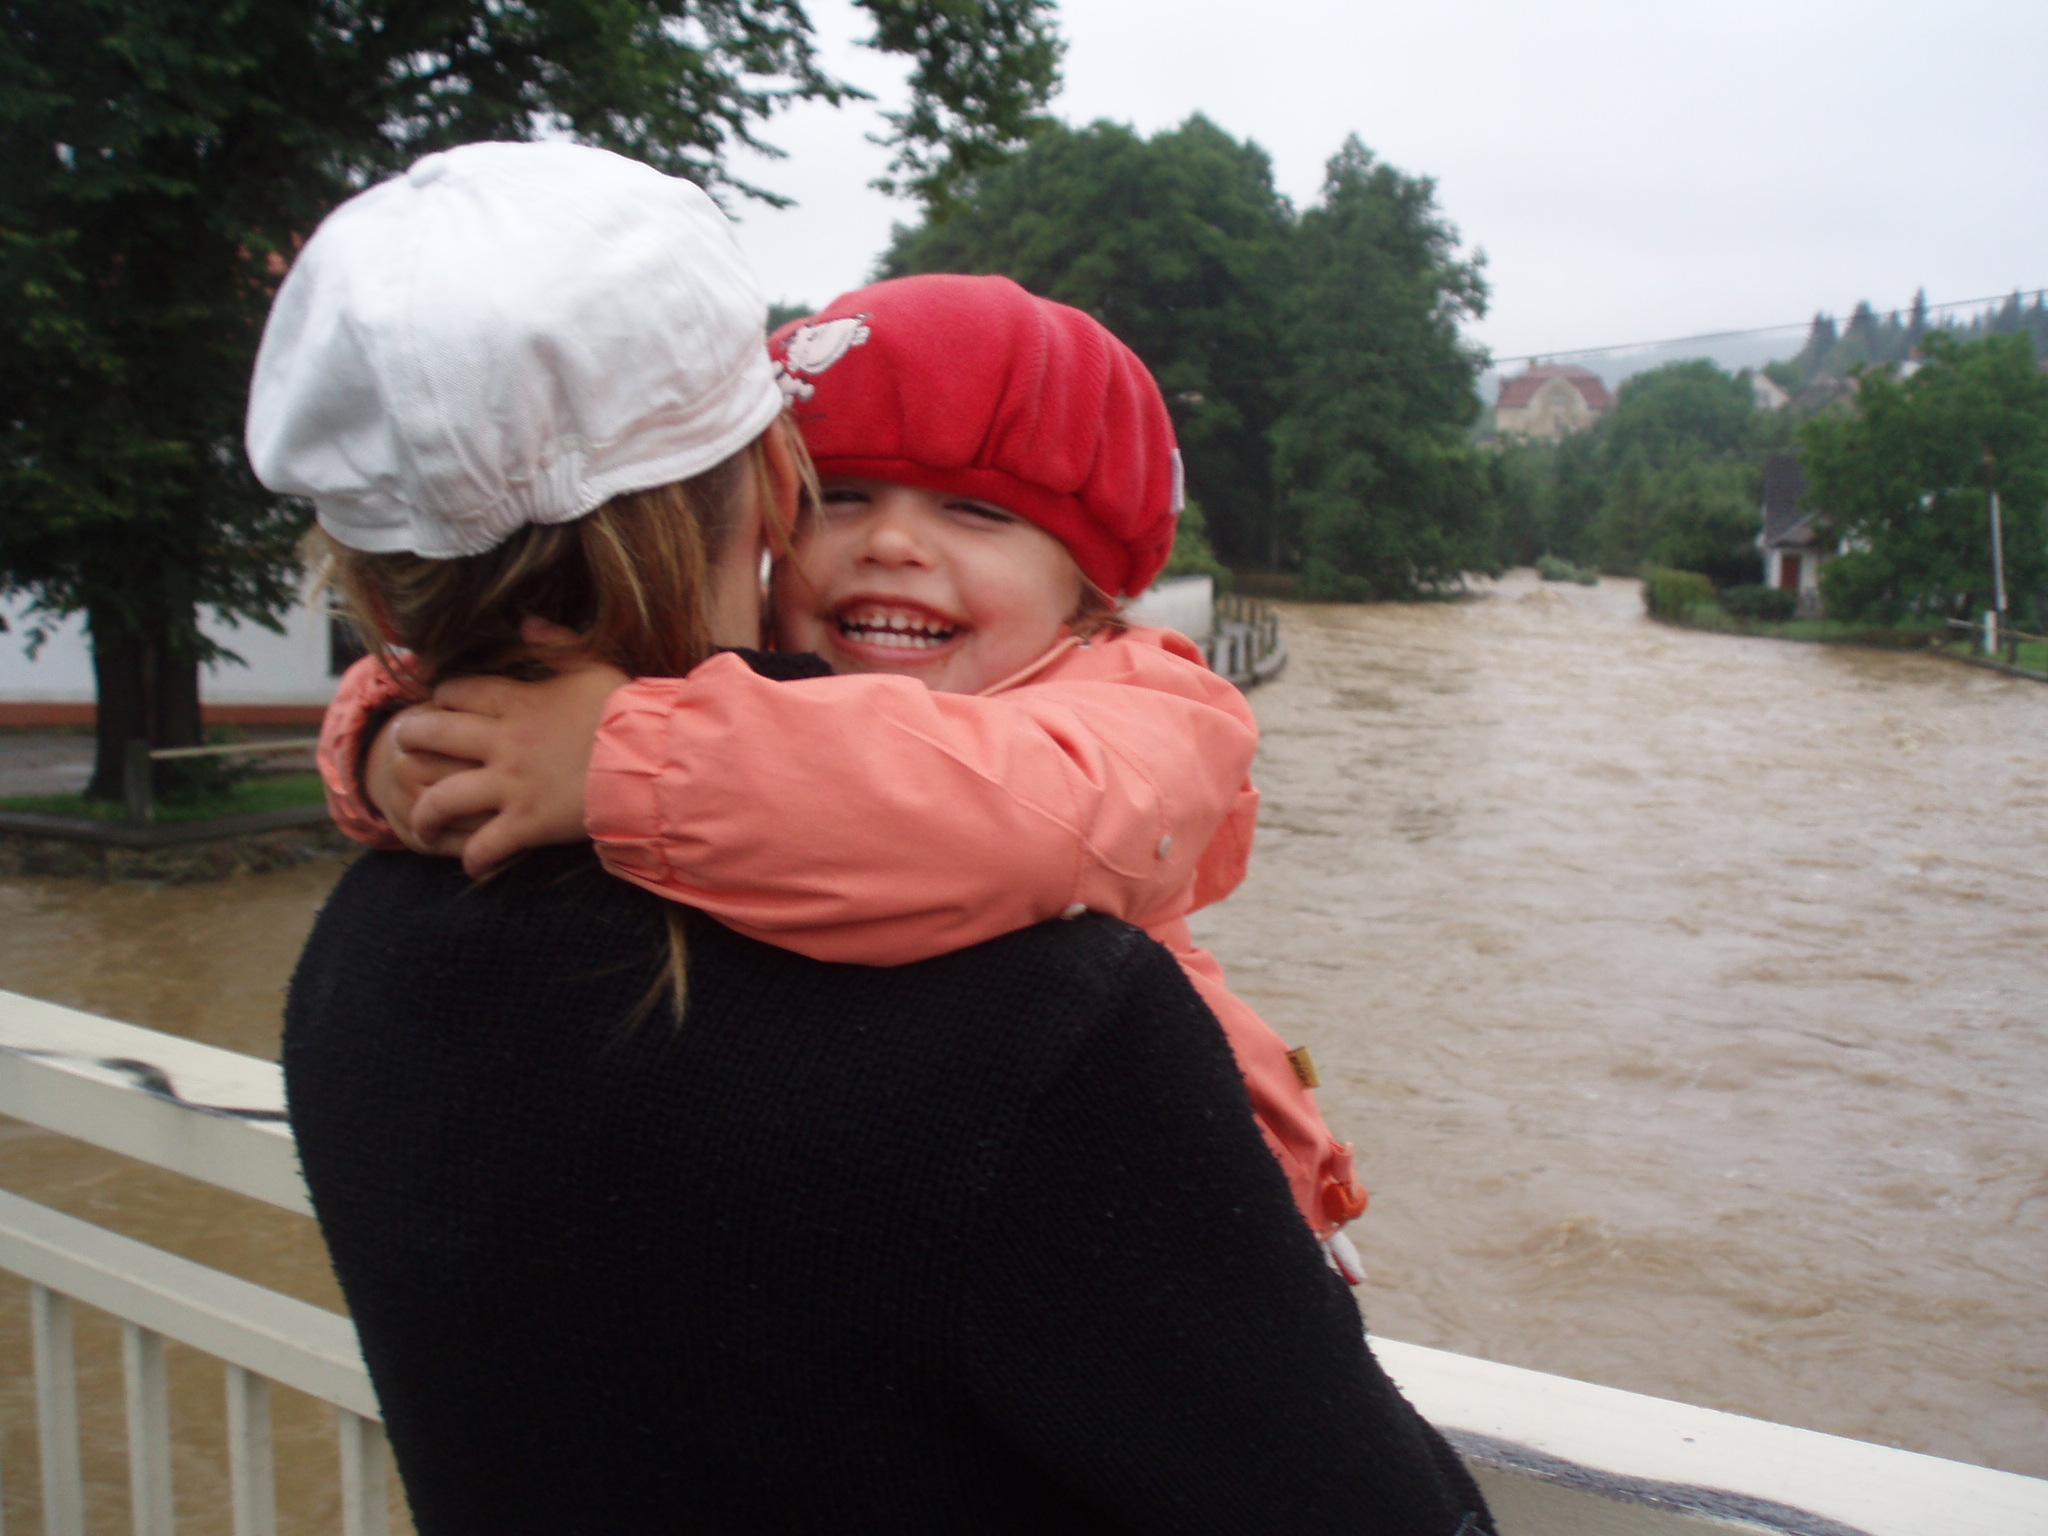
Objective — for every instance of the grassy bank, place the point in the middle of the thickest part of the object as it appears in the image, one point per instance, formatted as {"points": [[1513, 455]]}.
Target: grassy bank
{"points": [[272, 792], [1904, 637], [2029, 655], [1920, 635]]}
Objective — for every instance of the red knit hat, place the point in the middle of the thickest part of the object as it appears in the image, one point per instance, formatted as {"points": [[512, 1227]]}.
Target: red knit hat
{"points": [[971, 386]]}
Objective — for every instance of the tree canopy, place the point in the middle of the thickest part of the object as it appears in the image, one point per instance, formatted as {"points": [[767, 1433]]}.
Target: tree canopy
{"points": [[1906, 480], [1312, 363], [1669, 477], [161, 159], [1379, 485], [1177, 243], [1683, 483]]}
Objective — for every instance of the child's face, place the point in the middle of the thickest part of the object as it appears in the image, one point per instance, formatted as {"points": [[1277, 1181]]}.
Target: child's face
{"points": [[896, 578]]}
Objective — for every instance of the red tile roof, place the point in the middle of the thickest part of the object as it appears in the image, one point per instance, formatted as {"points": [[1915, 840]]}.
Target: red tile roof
{"points": [[1521, 389]]}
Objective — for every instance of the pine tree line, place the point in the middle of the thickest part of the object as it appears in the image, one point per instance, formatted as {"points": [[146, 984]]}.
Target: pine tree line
{"points": [[1868, 340]]}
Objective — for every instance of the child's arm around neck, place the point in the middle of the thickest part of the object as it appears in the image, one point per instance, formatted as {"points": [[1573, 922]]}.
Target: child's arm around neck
{"points": [[870, 819]]}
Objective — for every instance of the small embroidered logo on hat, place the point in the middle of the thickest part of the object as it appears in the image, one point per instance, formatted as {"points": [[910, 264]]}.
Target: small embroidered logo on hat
{"points": [[815, 347]]}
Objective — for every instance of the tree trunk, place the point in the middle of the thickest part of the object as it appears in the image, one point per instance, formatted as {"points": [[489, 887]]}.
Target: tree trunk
{"points": [[148, 691]]}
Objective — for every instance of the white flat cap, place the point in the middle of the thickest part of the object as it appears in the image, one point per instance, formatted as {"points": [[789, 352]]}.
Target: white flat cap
{"points": [[506, 334]]}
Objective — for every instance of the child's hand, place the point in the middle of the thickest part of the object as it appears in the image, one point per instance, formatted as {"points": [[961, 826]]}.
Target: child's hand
{"points": [[394, 779], [532, 744]]}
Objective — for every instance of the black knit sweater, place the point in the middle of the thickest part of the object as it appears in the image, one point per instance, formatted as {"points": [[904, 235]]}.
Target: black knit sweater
{"points": [[984, 1244]]}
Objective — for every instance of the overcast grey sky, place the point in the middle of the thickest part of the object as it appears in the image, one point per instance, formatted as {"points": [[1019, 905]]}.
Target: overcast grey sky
{"points": [[1633, 170]]}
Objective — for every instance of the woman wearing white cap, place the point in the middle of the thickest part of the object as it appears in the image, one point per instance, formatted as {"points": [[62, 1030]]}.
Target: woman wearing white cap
{"points": [[647, 1226]]}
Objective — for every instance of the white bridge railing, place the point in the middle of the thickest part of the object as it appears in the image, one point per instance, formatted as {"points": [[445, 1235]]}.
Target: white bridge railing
{"points": [[1556, 1457], [216, 1116]]}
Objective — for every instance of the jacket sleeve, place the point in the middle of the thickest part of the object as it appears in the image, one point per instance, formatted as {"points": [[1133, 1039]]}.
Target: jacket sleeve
{"points": [[1149, 1320], [869, 819], [362, 703]]}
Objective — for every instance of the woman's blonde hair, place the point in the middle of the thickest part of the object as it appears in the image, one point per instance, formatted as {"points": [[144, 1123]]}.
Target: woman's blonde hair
{"points": [[630, 578]]}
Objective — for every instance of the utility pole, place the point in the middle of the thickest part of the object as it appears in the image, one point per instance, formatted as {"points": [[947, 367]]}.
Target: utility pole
{"points": [[1994, 625]]}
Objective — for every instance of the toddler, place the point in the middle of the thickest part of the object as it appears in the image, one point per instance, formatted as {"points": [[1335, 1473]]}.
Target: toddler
{"points": [[999, 748]]}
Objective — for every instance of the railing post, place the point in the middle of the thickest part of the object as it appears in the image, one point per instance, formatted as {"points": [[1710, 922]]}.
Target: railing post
{"points": [[149, 1431], [57, 1412], [364, 1503], [252, 1477], [135, 785]]}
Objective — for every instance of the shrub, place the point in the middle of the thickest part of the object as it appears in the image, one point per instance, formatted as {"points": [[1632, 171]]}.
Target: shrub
{"points": [[1862, 587], [1551, 568], [1772, 604], [1674, 594], [1322, 582], [1192, 553]]}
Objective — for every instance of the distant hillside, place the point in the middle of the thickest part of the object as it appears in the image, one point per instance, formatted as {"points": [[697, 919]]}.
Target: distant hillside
{"points": [[1827, 346], [1868, 339]]}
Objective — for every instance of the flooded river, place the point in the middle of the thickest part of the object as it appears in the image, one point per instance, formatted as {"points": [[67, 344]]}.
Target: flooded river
{"points": [[1686, 996]]}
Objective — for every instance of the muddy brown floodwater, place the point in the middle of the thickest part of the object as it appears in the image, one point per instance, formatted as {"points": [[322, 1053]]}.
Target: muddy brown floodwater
{"points": [[1686, 996]]}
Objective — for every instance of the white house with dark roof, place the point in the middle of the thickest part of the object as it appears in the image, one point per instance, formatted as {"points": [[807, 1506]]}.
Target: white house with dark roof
{"points": [[1793, 553]]}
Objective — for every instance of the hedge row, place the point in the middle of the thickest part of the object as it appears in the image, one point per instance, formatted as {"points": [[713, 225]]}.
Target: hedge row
{"points": [[1674, 594]]}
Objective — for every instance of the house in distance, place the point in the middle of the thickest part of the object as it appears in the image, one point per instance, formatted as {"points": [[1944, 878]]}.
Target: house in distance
{"points": [[1793, 553], [1550, 401]]}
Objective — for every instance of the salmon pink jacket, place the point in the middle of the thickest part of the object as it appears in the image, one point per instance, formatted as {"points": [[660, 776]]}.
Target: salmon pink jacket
{"points": [[866, 818]]}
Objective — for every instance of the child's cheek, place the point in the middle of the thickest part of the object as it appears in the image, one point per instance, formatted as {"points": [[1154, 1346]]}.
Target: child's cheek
{"points": [[797, 627]]}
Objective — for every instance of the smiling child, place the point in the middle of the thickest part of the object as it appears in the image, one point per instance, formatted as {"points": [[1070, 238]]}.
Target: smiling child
{"points": [[998, 748]]}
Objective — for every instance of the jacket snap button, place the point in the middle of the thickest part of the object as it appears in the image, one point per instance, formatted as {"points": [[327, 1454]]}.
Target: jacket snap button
{"points": [[1165, 846], [1074, 910]]}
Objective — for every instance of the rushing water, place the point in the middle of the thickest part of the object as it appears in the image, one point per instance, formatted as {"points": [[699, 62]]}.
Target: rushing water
{"points": [[1684, 994]]}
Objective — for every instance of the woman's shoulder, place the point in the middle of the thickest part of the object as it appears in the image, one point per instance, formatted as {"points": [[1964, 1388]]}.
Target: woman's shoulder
{"points": [[398, 918]]}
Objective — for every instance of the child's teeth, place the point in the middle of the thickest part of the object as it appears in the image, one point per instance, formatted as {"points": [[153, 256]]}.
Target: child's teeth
{"points": [[901, 631]]}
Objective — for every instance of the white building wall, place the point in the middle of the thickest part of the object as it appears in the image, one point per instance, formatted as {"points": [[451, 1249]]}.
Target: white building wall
{"points": [[291, 668], [1185, 603]]}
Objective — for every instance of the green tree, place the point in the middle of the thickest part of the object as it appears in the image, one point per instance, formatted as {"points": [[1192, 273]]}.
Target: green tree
{"points": [[1192, 553], [1575, 492], [1178, 244], [1681, 410], [1626, 524], [1522, 478], [1677, 487], [1906, 481], [1706, 520], [160, 159], [1381, 492], [985, 69]]}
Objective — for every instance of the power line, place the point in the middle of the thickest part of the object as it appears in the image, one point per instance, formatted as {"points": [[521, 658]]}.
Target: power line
{"points": [[1758, 330]]}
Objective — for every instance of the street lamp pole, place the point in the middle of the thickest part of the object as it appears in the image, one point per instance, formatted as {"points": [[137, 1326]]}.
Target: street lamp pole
{"points": [[1997, 557]]}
